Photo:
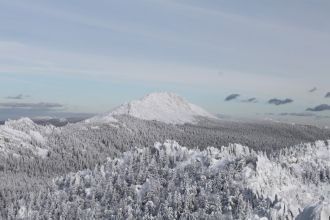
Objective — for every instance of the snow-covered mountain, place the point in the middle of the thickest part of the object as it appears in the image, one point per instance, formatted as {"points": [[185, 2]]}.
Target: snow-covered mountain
{"points": [[260, 177], [164, 107]]}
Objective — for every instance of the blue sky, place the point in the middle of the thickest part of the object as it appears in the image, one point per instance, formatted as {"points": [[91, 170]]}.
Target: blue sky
{"points": [[90, 56]]}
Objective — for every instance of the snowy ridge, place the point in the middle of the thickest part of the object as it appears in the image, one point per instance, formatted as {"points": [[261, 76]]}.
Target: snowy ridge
{"points": [[21, 124], [165, 107], [23, 135], [232, 182], [283, 185]]}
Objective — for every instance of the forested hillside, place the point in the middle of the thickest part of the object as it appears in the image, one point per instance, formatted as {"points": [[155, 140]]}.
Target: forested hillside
{"points": [[33, 155], [167, 181]]}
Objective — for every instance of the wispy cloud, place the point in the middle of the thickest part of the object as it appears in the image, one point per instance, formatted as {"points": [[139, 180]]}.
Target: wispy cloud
{"points": [[327, 95], [299, 114], [127, 28], [16, 110], [247, 20], [19, 96], [313, 89], [276, 101], [32, 59], [250, 100], [322, 117], [319, 108], [232, 97], [39, 106]]}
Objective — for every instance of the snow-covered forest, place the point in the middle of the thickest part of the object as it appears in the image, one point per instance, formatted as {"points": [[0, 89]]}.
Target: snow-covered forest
{"points": [[168, 181], [164, 110], [128, 167]]}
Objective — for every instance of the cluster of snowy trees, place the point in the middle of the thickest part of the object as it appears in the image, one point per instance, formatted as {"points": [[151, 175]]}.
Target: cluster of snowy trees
{"points": [[309, 162], [26, 176], [167, 181], [132, 132]]}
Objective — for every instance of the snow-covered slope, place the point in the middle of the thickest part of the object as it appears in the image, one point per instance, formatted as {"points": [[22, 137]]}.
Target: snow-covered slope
{"points": [[165, 107], [169, 181], [23, 135]]}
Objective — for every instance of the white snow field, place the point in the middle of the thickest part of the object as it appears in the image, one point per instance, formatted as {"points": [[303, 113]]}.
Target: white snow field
{"points": [[164, 107]]}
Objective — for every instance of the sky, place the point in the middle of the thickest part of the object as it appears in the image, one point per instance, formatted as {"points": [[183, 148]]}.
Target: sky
{"points": [[69, 57]]}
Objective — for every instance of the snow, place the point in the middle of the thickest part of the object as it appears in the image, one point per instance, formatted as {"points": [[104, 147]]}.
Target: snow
{"points": [[164, 107], [20, 121], [37, 137], [24, 134], [42, 152], [22, 212], [316, 211], [266, 177], [105, 118], [271, 179]]}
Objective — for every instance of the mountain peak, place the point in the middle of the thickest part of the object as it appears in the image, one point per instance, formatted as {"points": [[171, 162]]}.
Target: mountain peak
{"points": [[169, 96], [162, 106]]}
